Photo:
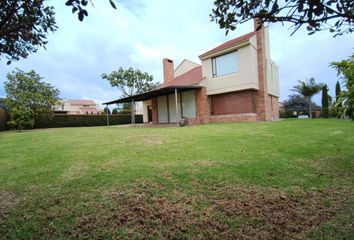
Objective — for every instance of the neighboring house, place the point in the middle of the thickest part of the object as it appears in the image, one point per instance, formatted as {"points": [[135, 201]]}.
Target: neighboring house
{"points": [[236, 81], [75, 106]]}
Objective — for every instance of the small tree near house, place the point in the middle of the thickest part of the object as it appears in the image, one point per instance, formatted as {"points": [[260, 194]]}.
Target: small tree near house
{"points": [[130, 82]]}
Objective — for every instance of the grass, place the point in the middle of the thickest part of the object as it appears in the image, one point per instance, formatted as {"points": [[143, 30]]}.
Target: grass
{"points": [[279, 180]]}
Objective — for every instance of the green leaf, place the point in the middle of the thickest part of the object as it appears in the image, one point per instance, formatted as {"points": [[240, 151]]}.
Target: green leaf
{"points": [[112, 4]]}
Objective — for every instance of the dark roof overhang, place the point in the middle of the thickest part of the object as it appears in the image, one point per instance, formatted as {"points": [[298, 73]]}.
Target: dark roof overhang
{"points": [[153, 94]]}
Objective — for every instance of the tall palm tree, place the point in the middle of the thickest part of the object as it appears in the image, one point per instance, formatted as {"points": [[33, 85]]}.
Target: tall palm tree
{"points": [[308, 89]]}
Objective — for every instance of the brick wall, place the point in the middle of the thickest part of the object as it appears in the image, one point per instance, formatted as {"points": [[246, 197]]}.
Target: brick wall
{"points": [[242, 117], [274, 107], [233, 103], [168, 71], [262, 98], [202, 106], [154, 110]]}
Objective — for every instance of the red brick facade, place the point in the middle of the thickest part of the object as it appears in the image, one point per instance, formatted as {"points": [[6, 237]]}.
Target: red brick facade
{"points": [[202, 106], [233, 103], [168, 71], [154, 110]]}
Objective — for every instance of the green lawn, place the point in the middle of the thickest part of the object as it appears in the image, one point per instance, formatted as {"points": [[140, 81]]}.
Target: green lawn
{"points": [[275, 180]]}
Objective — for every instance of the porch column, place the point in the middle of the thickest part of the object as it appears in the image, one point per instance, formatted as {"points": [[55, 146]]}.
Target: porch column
{"points": [[177, 114], [133, 113]]}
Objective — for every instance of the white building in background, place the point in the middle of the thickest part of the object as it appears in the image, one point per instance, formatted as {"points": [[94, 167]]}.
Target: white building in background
{"points": [[77, 106]]}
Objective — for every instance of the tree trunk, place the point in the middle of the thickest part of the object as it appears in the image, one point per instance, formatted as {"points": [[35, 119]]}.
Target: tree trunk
{"points": [[310, 110]]}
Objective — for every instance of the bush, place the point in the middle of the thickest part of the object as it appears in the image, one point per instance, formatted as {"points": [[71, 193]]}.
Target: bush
{"points": [[125, 111], [286, 114], [61, 120]]}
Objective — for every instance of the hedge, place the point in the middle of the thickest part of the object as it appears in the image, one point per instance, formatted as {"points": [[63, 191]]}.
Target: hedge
{"points": [[62, 120], [3, 119]]}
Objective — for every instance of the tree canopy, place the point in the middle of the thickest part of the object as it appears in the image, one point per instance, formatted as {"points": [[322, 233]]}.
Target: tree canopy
{"points": [[80, 5], [325, 101], [345, 102], [130, 81], [28, 96], [24, 25], [308, 89], [337, 16]]}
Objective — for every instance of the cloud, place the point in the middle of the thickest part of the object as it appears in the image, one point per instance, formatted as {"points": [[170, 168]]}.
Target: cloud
{"points": [[141, 33]]}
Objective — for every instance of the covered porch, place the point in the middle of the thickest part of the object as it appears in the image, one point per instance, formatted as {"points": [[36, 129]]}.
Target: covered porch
{"points": [[165, 105]]}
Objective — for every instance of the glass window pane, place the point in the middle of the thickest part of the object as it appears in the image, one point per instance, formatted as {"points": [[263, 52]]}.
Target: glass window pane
{"points": [[225, 64]]}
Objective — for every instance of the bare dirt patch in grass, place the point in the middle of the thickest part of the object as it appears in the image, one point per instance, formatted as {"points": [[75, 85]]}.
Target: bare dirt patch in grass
{"points": [[228, 212], [8, 200]]}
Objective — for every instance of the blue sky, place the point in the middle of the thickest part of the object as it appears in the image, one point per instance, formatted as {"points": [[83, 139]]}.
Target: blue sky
{"points": [[141, 33]]}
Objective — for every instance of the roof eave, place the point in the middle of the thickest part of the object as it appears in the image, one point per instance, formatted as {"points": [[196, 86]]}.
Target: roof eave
{"points": [[152, 94], [211, 54]]}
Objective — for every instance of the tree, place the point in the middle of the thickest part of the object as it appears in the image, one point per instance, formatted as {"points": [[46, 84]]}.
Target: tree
{"points": [[337, 16], [115, 111], [79, 7], [130, 82], [24, 25], [106, 110], [28, 97], [297, 103], [345, 68], [325, 101], [21, 118], [127, 106], [338, 91], [308, 90]]}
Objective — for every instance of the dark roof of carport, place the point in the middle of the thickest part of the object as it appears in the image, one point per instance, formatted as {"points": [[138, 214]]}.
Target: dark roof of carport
{"points": [[152, 94]]}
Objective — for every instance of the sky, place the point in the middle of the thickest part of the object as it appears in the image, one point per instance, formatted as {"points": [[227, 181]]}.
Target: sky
{"points": [[140, 33]]}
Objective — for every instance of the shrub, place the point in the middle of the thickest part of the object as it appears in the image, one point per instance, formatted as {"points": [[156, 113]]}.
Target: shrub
{"points": [[125, 111], [61, 120]]}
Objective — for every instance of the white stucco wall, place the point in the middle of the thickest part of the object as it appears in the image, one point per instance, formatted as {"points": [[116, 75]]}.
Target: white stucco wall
{"points": [[145, 105], [245, 78], [184, 67], [272, 69]]}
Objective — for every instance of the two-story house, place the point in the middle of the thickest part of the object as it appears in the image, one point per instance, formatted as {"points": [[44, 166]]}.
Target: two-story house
{"points": [[236, 81], [77, 106]]}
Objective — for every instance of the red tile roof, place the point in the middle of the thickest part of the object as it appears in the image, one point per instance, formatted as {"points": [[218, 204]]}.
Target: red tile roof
{"points": [[189, 78], [228, 44], [81, 102]]}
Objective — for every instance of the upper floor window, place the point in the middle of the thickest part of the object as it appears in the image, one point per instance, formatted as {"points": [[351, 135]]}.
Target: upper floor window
{"points": [[85, 105], [225, 64]]}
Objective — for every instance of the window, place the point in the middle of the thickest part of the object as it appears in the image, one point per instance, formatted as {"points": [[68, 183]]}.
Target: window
{"points": [[225, 64], [85, 105]]}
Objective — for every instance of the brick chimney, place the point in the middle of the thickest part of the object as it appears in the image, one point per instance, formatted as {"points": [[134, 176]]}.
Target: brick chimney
{"points": [[263, 101], [168, 70]]}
